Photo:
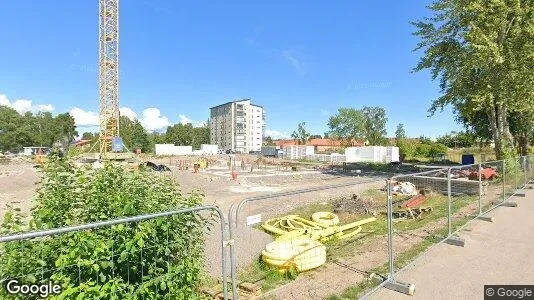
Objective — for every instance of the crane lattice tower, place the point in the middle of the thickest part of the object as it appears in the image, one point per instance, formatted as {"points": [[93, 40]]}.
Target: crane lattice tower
{"points": [[108, 73]]}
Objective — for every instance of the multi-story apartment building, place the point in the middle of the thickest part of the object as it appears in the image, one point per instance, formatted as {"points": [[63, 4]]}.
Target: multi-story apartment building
{"points": [[237, 125]]}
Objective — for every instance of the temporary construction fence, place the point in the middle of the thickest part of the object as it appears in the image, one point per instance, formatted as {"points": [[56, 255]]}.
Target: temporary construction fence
{"points": [[322, 228], [452, 197], [331, 158], [359, 231], [114, 259]]}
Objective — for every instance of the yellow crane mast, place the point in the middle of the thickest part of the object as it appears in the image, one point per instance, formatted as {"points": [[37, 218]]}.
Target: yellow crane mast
{"points": [[108, 74]]}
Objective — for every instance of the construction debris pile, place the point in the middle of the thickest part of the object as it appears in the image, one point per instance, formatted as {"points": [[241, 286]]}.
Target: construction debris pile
{"points": [[298, 244], [356, 205]]}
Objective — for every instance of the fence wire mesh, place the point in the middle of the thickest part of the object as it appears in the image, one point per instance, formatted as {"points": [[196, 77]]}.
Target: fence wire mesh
{"points": [[493, 190], [156, 256], [420, 207], [337, 232], [466, 190]]}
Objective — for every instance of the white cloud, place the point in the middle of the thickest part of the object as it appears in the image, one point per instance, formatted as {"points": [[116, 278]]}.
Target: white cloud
{"points": [[275, 134], [200, 124], [152, 120], [298, 64], [84, 118], [3, 100], [184, 119], [46, 107], [128, 112], [23, 106]]}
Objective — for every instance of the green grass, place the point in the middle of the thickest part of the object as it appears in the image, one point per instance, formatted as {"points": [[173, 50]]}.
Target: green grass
{"points": [[371, 232], [269, 277]]}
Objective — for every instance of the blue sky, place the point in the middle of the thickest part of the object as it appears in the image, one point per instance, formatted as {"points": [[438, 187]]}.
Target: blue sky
{"points": [[178, 58]]}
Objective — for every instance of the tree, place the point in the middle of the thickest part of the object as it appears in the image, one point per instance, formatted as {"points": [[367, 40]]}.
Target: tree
{"points": [[268, 141], [457, 139], [200, 135], [64, 128], [351, 124], [140, 138], [375, 125], [400, 133], [315, 136], [179, 134], [301, 135], [482, 54], [347, 125], [87, 136], [126, 131], [17, 131]]}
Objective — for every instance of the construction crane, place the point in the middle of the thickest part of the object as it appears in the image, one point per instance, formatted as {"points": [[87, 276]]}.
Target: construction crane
{"points": [[108, 75]]}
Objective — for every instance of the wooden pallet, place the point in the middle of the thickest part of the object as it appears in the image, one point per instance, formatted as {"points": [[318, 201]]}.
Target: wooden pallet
{"points": [[412, 213]]}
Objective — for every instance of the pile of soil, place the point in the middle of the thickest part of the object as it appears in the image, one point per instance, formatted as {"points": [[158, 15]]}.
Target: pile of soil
{"points": [[355, 204]]}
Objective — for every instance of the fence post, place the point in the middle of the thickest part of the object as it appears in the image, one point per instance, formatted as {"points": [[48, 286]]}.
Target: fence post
{"points": [[390, 227], [391, 283], [503, 180], [516, 174], [525, 171], [479, 189], [449, 214]]}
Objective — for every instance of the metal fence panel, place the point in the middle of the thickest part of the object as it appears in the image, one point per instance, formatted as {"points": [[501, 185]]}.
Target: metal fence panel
{"points": [[419, 215], [493, 190], [144, 255], [466, 191], [344, 252]]}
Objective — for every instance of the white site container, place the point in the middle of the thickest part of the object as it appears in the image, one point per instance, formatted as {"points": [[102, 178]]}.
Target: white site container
{"points": [[310, 150], [295, 152], [369, 154], [352, 154], [164, 149], [209, 149], [392, 154], [183, 150], [170, 149]]}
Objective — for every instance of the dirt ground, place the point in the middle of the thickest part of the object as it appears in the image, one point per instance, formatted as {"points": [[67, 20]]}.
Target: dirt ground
{"points": [[17, 185], [18, 180]]}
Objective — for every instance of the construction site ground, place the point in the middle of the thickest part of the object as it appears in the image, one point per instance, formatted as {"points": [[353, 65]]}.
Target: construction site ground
{"points": [[498, 253], [19, 177]]}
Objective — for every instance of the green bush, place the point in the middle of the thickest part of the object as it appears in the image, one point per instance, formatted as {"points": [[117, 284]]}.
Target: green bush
{"points": [[436, 149], [423, 150], [152, 259], [405, 147]]}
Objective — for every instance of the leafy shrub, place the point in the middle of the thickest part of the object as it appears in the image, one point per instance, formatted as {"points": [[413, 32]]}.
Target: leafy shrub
{"points": [[423, 150], [151, 259], [437, 148], [405, 147]]}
